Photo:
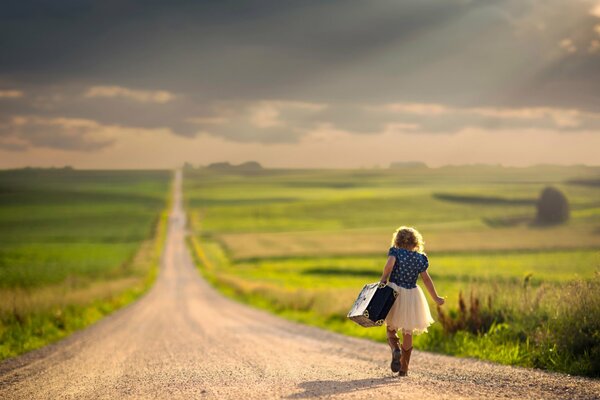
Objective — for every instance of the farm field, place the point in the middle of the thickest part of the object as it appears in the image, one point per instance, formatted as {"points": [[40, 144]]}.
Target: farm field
{"points": [[302, 243], [74, 245]]}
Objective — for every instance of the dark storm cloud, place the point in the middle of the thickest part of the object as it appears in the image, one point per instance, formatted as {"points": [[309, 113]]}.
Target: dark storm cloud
{"points": [[333, 63], [217, 49]]}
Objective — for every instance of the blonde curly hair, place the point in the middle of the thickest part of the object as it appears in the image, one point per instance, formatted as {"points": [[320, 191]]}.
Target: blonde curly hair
{"points": [[408, 238]]}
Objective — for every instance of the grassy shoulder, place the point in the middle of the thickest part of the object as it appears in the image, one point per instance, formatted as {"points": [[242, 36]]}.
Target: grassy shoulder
{"points": [[35, 309]]}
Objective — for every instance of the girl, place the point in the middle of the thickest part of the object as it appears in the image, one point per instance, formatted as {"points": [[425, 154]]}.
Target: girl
{"points": [[410, 312]]}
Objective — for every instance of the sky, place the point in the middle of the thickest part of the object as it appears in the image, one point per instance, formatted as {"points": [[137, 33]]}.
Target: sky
{"points": [[343, 84]]}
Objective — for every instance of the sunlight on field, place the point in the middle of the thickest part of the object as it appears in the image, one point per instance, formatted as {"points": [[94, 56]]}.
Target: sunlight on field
{"points": [[374, 242]]}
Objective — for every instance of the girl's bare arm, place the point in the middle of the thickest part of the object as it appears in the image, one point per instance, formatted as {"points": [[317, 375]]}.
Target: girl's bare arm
{"points": [[387, 270], [431, 288]]}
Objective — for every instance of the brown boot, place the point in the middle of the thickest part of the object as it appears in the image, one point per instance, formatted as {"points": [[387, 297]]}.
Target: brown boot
{"points": [[395, 346], [404, 361]]}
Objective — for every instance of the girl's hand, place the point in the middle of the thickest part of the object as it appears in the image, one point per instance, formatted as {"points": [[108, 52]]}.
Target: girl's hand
{"points": [[440, 301]]}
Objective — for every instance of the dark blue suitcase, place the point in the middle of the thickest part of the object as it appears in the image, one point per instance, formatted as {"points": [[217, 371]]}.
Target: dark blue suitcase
{"points": [[372, 305]]}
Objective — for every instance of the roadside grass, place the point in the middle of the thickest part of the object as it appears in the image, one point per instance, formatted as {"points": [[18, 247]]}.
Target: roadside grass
{"points": [[68, 260], [303, 243]]}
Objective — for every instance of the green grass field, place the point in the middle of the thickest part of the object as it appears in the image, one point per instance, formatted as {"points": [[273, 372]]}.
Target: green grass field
{"points": [[303, 243], [74, 246]]}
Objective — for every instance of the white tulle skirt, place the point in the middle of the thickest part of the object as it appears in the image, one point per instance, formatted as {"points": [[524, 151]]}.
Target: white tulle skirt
{"points": [[410, 312]]}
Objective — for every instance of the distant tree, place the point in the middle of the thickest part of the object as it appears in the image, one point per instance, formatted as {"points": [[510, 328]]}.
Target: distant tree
{"points": [[250, 166], [407, 164], [226, 166], [552, 207], [220, 166]]}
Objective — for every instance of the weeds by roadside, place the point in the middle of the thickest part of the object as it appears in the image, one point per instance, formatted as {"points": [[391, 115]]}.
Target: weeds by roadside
{"points": [[556, 329]]}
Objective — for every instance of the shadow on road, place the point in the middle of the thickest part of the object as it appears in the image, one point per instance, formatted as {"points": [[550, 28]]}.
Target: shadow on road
{"points": [[327, 388]]}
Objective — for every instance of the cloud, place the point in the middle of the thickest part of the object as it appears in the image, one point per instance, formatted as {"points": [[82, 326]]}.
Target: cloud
{"points": [[10, 94], [417, 108], [142, 109], [595, 10], [23, 132], [66, 120], [567, 45], [280, 121], [143, 96], [328, 149], [80, 122], [282, 74], [266, 121], [455, 52], [453, 119]]}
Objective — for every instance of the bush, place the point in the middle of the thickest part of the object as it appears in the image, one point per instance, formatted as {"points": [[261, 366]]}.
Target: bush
{"points": [[552, 207], [562, 334], [575, 328], [474, 319]]}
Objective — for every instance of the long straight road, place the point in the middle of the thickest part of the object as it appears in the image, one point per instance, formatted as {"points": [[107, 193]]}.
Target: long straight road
{"points": [[185, 340]]}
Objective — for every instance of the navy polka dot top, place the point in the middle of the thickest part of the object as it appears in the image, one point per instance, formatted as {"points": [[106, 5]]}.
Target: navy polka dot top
{"points": [[408, 266]]}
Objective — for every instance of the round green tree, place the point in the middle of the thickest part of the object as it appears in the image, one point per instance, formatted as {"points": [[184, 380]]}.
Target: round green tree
{"points": [[552, 207]]}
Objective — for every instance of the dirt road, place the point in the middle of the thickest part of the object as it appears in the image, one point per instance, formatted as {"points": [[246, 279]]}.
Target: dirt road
{"points": [[184, 340]]}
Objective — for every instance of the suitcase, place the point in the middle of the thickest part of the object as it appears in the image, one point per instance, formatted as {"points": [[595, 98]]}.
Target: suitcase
{"points": [[372, 305]]}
